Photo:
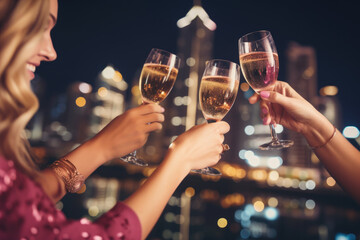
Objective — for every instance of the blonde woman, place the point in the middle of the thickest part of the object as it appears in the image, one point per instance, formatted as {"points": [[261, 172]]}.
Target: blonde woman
{"points": [[27, 195], [338, 155]]}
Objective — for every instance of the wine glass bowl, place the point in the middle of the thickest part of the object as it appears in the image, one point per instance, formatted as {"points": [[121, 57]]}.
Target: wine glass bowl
{"points": [[261, 68], [259, 62], [158, 75], [157, 78], [218, 90]]}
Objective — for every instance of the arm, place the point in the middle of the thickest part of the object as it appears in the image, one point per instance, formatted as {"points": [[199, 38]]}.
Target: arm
{"points": [[124, 134], [197, 148], [338, 155]]}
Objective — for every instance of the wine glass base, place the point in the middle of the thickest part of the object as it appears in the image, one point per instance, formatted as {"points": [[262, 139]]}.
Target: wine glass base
{"points": [[207, 171], [280, 144], [134, 160]]}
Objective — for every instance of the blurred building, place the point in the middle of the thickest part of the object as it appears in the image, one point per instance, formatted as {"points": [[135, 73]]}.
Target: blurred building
{"points": [[302, 76], [108, 97], [79, 107]]}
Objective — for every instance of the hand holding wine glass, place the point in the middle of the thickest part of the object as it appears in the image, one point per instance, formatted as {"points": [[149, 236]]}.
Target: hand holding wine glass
{"points": [[260, 66], [218, 89], [157, 78]]}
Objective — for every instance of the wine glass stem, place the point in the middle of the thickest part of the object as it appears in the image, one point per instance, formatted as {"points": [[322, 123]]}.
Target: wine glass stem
{"points": [[273, 133]]}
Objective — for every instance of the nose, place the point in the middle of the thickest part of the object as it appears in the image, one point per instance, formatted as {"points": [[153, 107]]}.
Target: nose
{"points": [[47, 51]]}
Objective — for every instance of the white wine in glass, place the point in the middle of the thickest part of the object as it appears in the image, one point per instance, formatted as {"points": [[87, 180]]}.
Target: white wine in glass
{"points": [[156, 82], [218, 90], [157, 78], [259, 62]]}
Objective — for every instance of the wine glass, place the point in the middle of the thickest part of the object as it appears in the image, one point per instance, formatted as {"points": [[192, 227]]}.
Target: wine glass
{"points": [[260, 66], [218, 89], [157, 78]]}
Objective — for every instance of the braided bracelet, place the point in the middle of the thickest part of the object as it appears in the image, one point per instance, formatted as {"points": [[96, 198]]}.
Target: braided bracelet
{"points": [[69, 174], [322, 145]]}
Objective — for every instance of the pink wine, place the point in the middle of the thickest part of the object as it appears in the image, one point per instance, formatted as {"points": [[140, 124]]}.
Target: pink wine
{"points": [[217, 95], [260, 69], [156, 81]]}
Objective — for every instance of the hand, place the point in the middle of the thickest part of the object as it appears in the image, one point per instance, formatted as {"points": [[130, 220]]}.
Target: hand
{"points": [[129, 131], [287, 108], [200, 146]]}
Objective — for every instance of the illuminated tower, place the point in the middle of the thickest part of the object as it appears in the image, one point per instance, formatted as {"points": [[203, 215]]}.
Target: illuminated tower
{"points": [[182, 108], [194, 48]]}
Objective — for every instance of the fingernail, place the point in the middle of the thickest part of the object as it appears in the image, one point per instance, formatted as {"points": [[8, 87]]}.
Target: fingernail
{"points": [[265, 94], [264, 110]]}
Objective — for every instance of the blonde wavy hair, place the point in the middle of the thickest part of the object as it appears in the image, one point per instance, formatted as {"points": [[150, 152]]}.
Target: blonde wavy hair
{"points": [[22, 23]]}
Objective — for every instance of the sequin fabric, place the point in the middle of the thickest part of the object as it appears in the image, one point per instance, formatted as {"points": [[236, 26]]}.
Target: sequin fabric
{"points": [[27, 213]]}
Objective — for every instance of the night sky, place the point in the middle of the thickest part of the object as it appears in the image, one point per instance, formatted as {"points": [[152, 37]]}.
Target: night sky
{"points": [[92, 34]]}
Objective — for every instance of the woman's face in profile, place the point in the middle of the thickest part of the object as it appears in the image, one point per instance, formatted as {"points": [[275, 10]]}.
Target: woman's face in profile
{"points": [[45, 50]]}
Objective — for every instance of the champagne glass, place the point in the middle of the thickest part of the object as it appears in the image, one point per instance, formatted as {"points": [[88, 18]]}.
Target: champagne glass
{"points": [[218, 89], [157, 78], [260, 66]]}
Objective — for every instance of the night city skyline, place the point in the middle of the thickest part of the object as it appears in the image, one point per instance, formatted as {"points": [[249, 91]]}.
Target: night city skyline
{"points": [[92, 34]]}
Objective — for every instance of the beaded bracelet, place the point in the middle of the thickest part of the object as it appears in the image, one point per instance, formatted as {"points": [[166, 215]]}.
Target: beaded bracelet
{"points": [[69, 174], [322, 145]]}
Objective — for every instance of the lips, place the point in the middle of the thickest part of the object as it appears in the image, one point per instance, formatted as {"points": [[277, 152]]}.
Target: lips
{"points": [[31, 68]]}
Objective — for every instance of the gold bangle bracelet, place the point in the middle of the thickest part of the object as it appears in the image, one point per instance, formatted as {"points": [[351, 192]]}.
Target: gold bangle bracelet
{"points": [[322, 145], [72, 179]]}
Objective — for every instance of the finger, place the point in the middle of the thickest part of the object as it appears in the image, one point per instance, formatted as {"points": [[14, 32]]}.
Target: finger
{"points": [[264, 106], [153, 127], [286, 89], [151, 108], [275, 97], [265, 112], [254, 98], [153, 117], [221, 126], [278, 112], [267, 120]]}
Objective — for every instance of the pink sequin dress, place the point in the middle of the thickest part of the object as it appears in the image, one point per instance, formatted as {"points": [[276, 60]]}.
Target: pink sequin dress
{"points": [[27, 213]]}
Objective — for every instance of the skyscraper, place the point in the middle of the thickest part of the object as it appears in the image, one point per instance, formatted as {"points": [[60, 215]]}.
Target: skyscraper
{"points": [[194, 49]]}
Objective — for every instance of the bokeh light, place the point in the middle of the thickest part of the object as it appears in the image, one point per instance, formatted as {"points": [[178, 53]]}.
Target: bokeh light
{"points": [[351, 132], [190, 192], [329, 91], [102, 91], [108, 72], [259, 206], [222, 222], [80, 101], [330, 181]]}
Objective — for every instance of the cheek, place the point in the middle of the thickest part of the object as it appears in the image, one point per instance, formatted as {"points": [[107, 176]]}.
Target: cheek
{"points": [[32, 58], [34, 49]]}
